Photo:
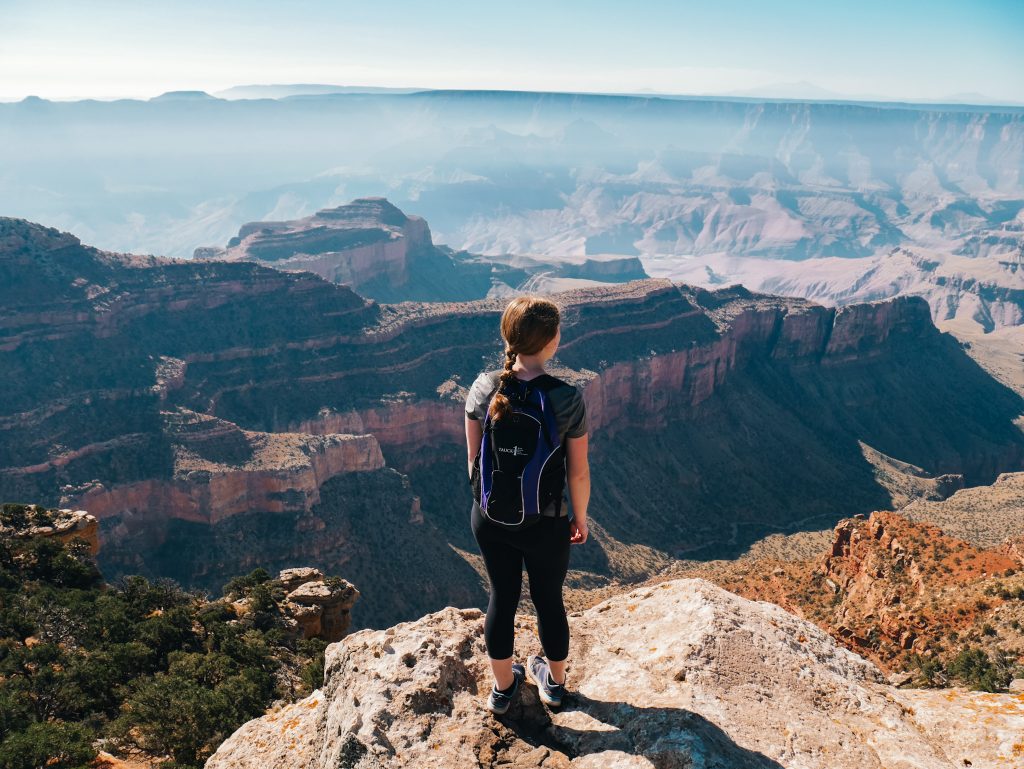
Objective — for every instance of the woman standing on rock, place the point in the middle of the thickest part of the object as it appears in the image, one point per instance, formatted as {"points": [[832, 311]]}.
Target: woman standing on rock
{"points": [[526, 436]]}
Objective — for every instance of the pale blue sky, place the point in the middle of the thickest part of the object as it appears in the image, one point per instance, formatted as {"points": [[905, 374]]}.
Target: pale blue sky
{"points": [[901, 50]]}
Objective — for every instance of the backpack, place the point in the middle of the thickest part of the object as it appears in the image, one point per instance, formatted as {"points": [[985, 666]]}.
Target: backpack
{"points": [[520, 467]]}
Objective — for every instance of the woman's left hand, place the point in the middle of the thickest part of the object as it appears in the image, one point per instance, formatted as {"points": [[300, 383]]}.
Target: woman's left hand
{"points": [[578, 531]]}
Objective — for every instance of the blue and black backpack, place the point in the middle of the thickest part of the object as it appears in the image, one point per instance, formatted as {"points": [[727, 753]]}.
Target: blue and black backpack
{"points": [[520, 468]]}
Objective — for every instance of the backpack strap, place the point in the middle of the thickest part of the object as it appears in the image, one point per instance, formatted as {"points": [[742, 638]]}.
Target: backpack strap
{"points": [[544, 383], [547, 382]]}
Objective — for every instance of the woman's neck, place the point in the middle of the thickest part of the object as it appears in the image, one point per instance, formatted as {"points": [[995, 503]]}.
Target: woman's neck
{"points": [[528, 365]]}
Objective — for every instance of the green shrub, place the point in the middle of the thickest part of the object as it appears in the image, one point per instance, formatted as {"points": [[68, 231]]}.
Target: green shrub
{"points": [[138, 662], [929, 671], [52, 745], [974, 668]]}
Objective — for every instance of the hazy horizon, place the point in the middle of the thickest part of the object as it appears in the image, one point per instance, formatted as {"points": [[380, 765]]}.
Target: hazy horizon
{"points": [[876, 51], [799, 92]]}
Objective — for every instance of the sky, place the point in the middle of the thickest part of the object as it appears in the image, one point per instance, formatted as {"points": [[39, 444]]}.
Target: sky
{"points": [[868, 49]]}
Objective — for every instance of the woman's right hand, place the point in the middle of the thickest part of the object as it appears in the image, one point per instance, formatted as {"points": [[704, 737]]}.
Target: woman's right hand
{"points": [[578, 530]]}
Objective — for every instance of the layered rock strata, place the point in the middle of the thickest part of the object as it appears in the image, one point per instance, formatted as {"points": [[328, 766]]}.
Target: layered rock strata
{"points": [[380, 252], [191, 405]]}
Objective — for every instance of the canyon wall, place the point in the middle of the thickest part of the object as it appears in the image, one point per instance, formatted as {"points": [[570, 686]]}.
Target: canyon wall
{"points": [[200, 410], [371, 246], [286, 478]]}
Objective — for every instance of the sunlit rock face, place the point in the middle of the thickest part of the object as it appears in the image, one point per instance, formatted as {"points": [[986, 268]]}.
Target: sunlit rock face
{"points": [[679, 674], [373, 247]]}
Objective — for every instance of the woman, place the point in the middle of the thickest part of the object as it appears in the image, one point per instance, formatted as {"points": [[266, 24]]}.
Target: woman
{"points": [[530, 328]]}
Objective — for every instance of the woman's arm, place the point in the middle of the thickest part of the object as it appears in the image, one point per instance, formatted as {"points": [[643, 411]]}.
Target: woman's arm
{"points": [[577, 470], [474, 432]]}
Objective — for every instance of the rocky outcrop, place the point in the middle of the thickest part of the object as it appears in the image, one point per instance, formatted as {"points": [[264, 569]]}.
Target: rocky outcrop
{"points": [[679, 674], [283, 473], [63, 525], [887, 571], [1014, 548], [319, 607], [367, 242], [890, 588], [382, 253]]}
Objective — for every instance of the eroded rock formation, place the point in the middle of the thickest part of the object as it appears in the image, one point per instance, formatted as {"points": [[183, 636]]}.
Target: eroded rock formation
{"points": [[320, 607], [679, 674], [888, 570], [270, 472], [63, 524], [889, 586], [373, 247]]}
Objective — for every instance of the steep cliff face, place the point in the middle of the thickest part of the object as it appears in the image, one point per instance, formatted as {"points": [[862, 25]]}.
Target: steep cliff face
{"points": [[679, 674], [269, 472], [889, 586], [367, 244], [373, 247], [203, 408]]}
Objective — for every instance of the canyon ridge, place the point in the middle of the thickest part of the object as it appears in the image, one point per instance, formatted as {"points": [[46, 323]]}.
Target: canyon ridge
{"points": [[221, 415]]}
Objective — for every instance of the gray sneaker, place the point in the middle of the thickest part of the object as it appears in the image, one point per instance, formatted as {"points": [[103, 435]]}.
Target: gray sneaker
{"points": [[499, 703], [550, 692]]}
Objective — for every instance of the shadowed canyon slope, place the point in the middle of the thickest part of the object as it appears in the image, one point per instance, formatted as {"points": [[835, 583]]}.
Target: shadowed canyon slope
{"points": [[218, 416], [681, 674]]}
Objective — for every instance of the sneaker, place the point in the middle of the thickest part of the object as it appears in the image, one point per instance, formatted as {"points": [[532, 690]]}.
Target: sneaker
{"points": [[497, 702], [539, 672]]}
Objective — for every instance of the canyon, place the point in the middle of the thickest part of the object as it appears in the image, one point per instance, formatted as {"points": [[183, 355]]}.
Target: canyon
{"points": [[220, 415], [838, 202], [523, 172]]}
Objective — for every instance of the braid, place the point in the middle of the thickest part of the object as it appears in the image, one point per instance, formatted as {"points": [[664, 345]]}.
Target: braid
{"points": [[500, 403], [528, 324]]}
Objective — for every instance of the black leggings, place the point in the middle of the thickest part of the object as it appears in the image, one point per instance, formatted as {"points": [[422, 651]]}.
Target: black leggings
{"points": [[544, 547]]}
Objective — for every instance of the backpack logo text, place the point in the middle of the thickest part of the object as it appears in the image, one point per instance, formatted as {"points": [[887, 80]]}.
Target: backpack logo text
{"points": [[514, 451]]}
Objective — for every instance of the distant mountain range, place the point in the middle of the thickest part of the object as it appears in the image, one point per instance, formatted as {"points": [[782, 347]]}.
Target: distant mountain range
{"points": [[284, 90], [526, 172], [836, 201]]}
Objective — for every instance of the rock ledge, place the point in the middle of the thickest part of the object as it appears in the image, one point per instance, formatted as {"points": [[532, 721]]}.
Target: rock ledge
{"points": [[677, 675]]}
